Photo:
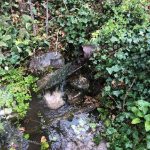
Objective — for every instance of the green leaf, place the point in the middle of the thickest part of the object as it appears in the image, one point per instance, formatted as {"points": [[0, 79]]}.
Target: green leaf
{"points": [[107, 88], [114, 68], [1, 127], [6, 38], [116, 93], [143, 103], [26, 18], [136, 121], [107, 122], [143, 106], [120, 55], [113, 39], [147, 126], [93, 125], [110, 71], [137, 112], [26, 136], [3, 44], [147, 117], [148, 141]]}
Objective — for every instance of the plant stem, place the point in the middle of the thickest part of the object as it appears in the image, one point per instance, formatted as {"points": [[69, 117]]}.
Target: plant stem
{"points": [[125, 97], [47, 16]]}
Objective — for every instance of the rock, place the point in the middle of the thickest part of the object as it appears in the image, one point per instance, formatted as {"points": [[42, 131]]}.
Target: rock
{"points": [[5, 111], [12, 138], [75, 134], [58, 76], [43, 62], [74, 97], [88, 50], [54, 100], [80, 83]]}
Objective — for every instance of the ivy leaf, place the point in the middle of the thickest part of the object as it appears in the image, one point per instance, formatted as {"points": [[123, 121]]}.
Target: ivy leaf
{"points": [[113, 39], [116, 93], [120, 55], [3, 44], [114, 68], [107, 88], [6, 38], [147, 117], [136, 121], [143, 105], [147, 126], [26, 18], [1, 127], [137, 112], [148, 141]]}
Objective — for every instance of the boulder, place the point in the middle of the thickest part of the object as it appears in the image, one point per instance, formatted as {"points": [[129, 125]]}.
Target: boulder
{"points": [[76, 133], [58, 76], [88, 50], [54, 100], [45, 61]]}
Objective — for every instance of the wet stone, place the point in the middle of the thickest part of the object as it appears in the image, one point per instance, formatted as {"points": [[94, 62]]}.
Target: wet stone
{"points": [[74, 97], [80, 83], [10, 138], [76, 134], [58, 76]]}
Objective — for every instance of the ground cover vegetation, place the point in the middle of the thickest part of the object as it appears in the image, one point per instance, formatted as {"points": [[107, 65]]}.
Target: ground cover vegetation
{"points": [[123, 59], [121, 32]]}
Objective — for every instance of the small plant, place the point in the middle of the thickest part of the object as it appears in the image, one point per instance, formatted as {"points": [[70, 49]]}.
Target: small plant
{"points": [[15, 90], [44, 143]]}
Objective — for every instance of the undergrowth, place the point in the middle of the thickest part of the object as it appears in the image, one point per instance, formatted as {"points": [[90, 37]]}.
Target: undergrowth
{"points": [[123, 58]]}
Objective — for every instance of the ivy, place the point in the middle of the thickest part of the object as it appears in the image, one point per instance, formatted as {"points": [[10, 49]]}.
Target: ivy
{"points": [[123, 59]]}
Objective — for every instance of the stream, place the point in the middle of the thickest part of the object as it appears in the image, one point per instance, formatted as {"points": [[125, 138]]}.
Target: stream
{"points": [[65, 115], [70, 127]]}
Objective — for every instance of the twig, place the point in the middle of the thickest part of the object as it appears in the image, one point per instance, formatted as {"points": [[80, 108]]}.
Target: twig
{"points": [[47, 16], [65, 5], [115, 101], [56, 48], [32, 16], [11, 6], [127, 92]]}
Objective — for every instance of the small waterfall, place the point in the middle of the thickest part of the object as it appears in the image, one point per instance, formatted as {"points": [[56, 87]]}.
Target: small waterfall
{"points": [[62, 86]]}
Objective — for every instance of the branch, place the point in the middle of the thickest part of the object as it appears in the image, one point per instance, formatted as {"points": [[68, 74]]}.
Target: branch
{"points": [[56, 48], [47, 16], [32, 16], [129, 89]]}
